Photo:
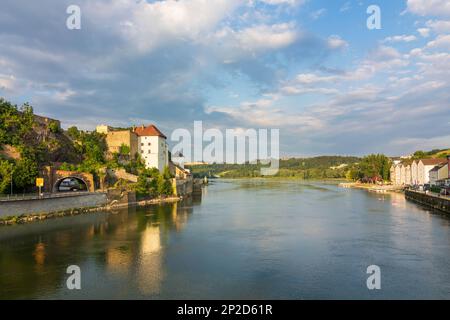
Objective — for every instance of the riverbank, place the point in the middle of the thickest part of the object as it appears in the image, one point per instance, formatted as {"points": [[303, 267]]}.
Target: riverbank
{"points": [[431, 201], [371, 187], [33, 217]]}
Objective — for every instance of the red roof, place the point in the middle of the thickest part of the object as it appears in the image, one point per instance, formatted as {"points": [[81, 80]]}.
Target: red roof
{"points": [[150, 130], [430, 162]]}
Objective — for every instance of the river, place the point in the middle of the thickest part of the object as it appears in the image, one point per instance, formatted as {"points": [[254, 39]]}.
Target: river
{"points": [[241, 239]]}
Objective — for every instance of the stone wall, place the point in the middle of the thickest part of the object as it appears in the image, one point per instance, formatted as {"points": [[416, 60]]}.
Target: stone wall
{"points": [[78, 201], [184, 187], [122, 174], [430, 201], [115, 139]]}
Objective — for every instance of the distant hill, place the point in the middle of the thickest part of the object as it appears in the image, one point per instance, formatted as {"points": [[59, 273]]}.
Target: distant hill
{"points": [[436, 153], [323, 167], [441, 154]]}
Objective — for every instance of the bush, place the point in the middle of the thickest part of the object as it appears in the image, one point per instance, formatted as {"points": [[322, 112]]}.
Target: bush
{"points": [[54, 127]]}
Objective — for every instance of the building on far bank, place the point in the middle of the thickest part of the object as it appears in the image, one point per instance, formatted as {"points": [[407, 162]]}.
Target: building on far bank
{"points": [[414, 173], [152, 147], [438, 173], [424, 166], [417, 172]]}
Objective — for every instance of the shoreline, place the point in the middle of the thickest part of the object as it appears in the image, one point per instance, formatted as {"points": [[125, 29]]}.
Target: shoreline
{"points": [[34, 217], [371, 187]]}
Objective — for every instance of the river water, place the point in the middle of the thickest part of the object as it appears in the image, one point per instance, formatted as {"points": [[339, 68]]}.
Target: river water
{"points": [[241, 239]]}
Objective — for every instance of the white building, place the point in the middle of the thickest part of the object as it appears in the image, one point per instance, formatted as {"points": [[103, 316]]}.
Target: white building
{"points": [[153, 147], [414, 173], [438, 173], [424, 167]]}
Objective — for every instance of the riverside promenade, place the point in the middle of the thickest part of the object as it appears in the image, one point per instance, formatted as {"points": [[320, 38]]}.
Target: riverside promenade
{"points": [[430, 200]]}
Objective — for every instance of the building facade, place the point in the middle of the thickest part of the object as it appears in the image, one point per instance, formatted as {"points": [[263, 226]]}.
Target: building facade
{"points": [[419, 172], [115, 139], [438, 173], [152, 147], [424, 167], [414, 168]]}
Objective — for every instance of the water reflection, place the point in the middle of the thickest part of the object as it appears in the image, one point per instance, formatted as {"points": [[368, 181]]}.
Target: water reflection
{"points": [[128, 244], [246, 239]]}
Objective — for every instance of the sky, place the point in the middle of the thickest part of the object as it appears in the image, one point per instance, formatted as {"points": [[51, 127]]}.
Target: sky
{"points": [[310, 68]]}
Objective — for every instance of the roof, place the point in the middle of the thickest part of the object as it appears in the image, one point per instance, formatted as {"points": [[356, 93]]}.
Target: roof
{"points": [[435, 169], [150, 130], [433, 162]]}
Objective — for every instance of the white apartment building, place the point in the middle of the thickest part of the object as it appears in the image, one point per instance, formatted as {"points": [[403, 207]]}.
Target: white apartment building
{"points": [[152, 147], [424, 167], [419, 172], [438, 173]]}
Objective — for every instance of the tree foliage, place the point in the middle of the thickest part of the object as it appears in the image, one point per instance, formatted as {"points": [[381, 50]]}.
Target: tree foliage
{"points": [[152, 183], [374, 167]]}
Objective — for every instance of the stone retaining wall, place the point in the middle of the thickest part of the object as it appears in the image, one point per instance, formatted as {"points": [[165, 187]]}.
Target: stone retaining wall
{"points": [[431, 201], [24, 207]]}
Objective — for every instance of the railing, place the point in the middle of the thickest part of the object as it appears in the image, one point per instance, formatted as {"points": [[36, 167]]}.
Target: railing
{"points": [[34, 196]]}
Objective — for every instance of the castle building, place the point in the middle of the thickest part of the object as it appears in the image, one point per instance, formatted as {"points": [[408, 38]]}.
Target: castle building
{"points": [[152, 147]]}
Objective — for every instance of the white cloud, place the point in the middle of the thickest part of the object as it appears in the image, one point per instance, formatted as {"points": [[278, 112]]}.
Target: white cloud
{"points": [[7, 82], [345, 7], [292, 90], [429, 7], [424, 32], [64, 95], [311, 78], [318, 13], [264, 36], [232, 45], [439, 26], [336, 42], [149, 25], [400, 38], [442, 41], [287, 2]]}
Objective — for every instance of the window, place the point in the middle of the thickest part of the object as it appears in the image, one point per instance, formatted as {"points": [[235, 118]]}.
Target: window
{"points": [[149, 144], [142, 151], [149, 151], [142, 144]]}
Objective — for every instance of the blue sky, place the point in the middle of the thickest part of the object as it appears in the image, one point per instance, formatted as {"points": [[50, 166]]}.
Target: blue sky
{"points": [[310, 68]]}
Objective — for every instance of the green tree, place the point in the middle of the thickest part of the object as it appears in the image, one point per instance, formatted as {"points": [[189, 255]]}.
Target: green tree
{"points": [[5, 176], [25, 173], [54, 127], [419, 155], [124, 150], [142, 186], [73, 133], [373, 167]]}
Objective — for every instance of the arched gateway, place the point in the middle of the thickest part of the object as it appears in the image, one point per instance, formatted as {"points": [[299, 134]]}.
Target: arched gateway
{"points": [[62, 180]]}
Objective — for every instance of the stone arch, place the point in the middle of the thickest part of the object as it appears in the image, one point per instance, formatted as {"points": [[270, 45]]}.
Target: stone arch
{"points": [[58, 182], [53, 176]]}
